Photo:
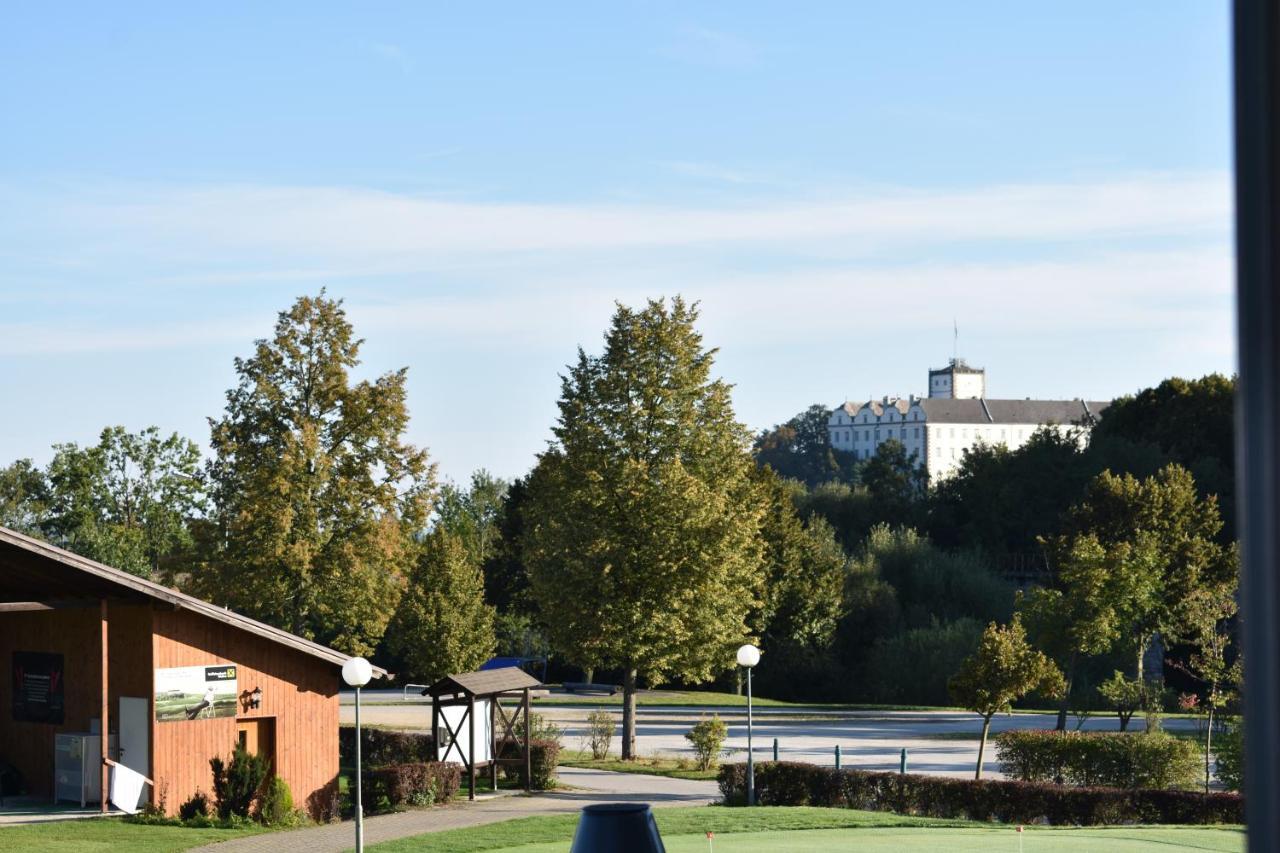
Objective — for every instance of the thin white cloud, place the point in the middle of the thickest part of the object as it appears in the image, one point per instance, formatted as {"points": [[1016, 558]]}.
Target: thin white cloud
{"points": [[393, 54], [345, 227], [706, 46]]}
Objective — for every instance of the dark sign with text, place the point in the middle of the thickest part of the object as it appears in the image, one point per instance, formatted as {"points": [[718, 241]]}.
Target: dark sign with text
{"points": [[37, 687]]}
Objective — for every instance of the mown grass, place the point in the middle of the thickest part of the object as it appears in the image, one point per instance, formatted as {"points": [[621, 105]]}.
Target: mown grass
{"points": [[98, 835], [817, 830]]}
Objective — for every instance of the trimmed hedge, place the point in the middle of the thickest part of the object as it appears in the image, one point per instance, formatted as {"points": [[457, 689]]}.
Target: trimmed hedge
{"points": [[417, 783], [786, 783], [1107, 759], [379, 747]]}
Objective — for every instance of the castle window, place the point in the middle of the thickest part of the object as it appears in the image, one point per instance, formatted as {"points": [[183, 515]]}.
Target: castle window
{"points": [[917, 432]]}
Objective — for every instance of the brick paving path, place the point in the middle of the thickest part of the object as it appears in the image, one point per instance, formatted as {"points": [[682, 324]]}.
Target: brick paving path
{"points": [[591, 786]]}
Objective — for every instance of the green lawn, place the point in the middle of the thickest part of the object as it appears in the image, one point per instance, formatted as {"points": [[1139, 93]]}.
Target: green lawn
{"points": [[815, 830], [106, 834], [654, 766]]}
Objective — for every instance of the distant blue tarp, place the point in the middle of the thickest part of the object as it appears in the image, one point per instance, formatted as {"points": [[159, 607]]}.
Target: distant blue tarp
{"points": [[499, 663]]}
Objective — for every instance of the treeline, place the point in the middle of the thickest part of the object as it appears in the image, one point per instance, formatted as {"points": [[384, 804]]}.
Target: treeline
{"points": [[931, 564], [653, 536]]}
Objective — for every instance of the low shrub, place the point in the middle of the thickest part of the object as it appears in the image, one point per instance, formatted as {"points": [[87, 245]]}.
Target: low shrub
{"points": [[1107, 759], [707, 737], [197, 806], [794, 784], [379, 747], [544, 757], [599, 733], [275, 807], [1228, 748], [418, 783]]}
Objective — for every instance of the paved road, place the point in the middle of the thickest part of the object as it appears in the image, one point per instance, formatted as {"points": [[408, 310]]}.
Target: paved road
{"points": [[937, 742], [589, 786]]}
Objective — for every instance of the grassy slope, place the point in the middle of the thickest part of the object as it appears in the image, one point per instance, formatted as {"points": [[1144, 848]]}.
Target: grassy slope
{"points": [[104, 834], [814, 830]]}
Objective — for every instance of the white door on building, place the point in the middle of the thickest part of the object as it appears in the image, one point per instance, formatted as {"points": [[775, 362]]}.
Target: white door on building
{"points": [[135, 736]]}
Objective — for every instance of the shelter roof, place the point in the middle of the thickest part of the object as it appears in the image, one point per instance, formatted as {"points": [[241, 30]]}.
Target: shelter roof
{"points": [[35, 571], [486, 682]]}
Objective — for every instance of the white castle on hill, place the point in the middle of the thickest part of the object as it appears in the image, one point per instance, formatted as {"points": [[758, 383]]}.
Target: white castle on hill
{"points": [[954, 417]]}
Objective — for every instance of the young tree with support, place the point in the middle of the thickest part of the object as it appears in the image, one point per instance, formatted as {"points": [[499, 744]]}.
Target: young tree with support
{"points": [[1003, 669]]}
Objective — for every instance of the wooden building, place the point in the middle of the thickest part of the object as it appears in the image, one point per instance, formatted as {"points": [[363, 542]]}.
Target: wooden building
{"points": [[174, 680]]}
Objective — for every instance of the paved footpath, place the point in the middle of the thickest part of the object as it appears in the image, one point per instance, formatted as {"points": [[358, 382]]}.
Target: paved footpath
{"points": [[590, 786]]}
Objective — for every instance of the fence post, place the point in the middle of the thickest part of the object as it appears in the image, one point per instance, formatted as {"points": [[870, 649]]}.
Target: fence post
{"points": [[837, 756], [775, 749], [902, 766]]}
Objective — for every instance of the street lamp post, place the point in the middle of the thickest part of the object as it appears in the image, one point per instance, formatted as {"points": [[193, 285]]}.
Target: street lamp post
{"points": [[357, 672], [749, 656]]}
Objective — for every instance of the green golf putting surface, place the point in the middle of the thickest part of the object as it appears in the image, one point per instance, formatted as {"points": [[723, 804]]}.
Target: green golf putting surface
{"points": [[1034, 840]]}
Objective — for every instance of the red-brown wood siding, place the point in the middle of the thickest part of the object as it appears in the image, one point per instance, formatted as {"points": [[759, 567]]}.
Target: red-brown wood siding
{"points": [[299, 691], [75, 634]]}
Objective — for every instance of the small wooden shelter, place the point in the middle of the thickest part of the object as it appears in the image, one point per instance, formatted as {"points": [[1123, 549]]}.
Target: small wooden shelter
{"points": [[465, 712]]}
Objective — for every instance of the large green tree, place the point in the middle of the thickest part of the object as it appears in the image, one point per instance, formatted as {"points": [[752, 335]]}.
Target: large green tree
{"points": [[1164, 540], [318, 497], [642, 531], [442, 624], [1100, 593], [802, 601], [127, 501]]}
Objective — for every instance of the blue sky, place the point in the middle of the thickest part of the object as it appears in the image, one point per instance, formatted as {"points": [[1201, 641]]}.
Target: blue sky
{"points": [[834, 182]]}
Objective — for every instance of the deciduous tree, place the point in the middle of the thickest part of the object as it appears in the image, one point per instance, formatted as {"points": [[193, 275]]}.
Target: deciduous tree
{"points": [[127, 501], [643, 527], [1003, 669], [318, 496]]}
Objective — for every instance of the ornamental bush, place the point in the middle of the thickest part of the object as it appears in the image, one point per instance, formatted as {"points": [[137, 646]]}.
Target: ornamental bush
{"points": [[544, 757], [707, 737], [236, 782], [420, 783], [599, 733], [795, 784], [1108, 759]]}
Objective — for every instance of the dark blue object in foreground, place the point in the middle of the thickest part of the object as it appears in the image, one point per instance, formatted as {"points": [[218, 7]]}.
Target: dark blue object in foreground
{"points": [[617, 828]]}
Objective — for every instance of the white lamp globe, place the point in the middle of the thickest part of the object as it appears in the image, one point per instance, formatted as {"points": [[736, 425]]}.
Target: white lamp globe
{"points": [[357, 672], [748, 655]]}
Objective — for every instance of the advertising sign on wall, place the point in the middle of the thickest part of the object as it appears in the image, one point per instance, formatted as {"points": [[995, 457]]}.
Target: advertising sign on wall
{"points": [[37, 687], [196, 692]]}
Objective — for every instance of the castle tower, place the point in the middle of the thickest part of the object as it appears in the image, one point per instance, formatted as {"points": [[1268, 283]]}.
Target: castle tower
{"points": [[958, 381]]}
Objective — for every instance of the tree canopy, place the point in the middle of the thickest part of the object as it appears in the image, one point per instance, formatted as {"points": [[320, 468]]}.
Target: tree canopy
{"points": [[800, 449], [317, 495], [442, 625]]}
